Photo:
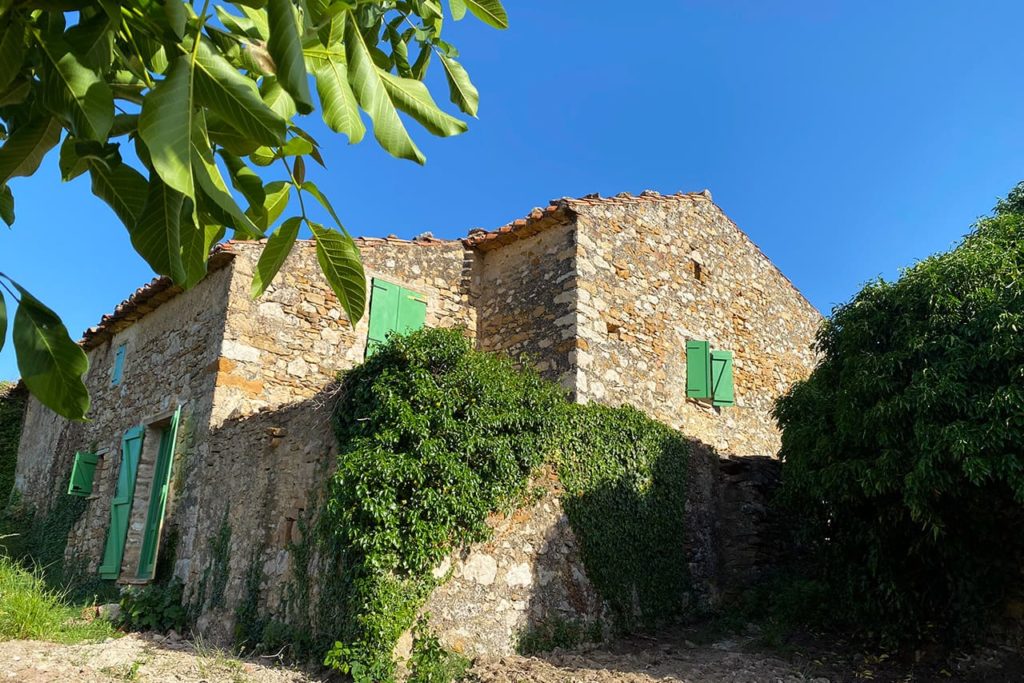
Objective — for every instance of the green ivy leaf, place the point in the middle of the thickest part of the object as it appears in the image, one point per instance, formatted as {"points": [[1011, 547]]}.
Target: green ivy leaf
{"points": [[339, 260], [285, 48], [51, 365], [278, 247]]}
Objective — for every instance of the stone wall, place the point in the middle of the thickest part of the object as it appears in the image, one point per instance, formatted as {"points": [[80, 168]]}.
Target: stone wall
{"points": [[271, 444], [169, 362], [525, 302], [656, 271]]}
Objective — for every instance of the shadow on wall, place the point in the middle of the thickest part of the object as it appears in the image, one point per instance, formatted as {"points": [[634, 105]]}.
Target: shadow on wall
{"points": [[243, 502]]}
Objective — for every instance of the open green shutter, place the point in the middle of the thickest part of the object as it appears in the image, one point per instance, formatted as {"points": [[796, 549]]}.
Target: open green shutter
{"points": [[698, 369], [158, 499], [721, 375], [121, 504], [82, 473], [412, 311], [384, 298]]}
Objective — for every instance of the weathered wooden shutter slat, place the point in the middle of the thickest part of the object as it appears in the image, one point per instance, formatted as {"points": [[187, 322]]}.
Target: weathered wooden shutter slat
{"points": [[82, 472], [721, 374], [158, 499], [698, 369], [121, 504], [384, 300]]}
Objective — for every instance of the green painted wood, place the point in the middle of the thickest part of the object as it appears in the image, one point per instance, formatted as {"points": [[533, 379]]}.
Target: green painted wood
{"points": [[158, 499], [384, 298], [121, 503], [698, 369], [118, 373], [412, 311], [82, 472], [721, 376]]}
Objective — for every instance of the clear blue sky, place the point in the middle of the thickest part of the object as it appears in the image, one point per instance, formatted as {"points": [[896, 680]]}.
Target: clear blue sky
{"points": [[846, 138]]}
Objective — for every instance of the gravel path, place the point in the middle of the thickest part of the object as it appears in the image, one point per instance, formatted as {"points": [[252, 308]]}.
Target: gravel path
{"points": [[151, 658]]}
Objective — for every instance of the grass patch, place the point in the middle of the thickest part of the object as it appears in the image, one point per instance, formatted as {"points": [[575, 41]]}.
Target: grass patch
{"points": [[29, 610]]}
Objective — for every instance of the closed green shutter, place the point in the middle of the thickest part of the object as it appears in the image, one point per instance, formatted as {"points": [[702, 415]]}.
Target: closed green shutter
{"points": [[721, 375], [384, 299], [118, 373], [82, 473], [412, 311], [158, 499], [121, 504], [393, 309], [698, 369]]}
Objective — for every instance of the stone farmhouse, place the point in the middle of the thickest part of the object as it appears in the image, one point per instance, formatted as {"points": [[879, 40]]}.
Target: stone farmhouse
{"points": [[210, 424]]}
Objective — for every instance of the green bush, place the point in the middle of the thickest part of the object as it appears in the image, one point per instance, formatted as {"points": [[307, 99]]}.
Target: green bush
{"points": [[154, 607], [904, 450], [434, 437]]}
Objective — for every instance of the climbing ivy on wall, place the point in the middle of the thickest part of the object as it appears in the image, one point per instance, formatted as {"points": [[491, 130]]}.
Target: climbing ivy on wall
{"points": [[434, 437], [12, 412]]}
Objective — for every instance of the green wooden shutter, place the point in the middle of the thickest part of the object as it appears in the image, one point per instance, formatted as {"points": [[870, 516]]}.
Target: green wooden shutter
{"points": [[82, 473], [698, 369], [158, 499], [118, 373], [721, 375], [412, 311], [121, 504], [384, 299]]}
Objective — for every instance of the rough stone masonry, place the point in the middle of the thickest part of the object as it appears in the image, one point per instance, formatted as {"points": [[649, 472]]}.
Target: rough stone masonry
{"points": [[600, 294]]}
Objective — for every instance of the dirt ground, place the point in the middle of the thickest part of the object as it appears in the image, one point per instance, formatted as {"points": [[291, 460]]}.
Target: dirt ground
{"points": [[671, 659]]}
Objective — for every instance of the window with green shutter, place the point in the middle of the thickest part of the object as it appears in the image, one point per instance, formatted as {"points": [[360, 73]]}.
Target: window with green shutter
{"points": [[721, 378], [82, 473], [118, 373], [393, 309], [698, 369]]}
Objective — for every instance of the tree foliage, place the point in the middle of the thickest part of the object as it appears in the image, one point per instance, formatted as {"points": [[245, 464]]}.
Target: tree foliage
{"points": [[904, 450], [171, 109]]}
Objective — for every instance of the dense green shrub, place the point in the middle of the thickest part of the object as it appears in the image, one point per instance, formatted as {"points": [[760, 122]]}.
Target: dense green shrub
{"points": [[904, 450], [434, 437], [154, 607]]}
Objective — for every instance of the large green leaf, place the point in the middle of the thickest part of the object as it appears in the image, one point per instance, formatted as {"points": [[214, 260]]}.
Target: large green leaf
{"points": [[157, 233], [235, 98], [122, 188], [310, 187], [277, 195], [368, 83], [488, 11], [7, 205], [212, 184], [195, 242], [51, 365], [75, 92], [458, 9], [286, 49], [412, 97], [462, 91], [278, 247], [12, 52], [244, 179], [339, 260], [277, 98], [337, 101], [166, 126], [26, 147]]}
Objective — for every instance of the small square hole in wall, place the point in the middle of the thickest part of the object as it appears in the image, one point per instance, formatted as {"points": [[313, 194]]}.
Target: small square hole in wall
{"points": [[698, 270]]}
